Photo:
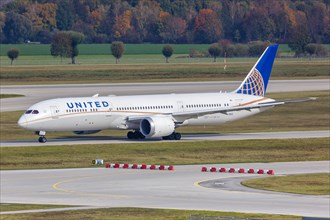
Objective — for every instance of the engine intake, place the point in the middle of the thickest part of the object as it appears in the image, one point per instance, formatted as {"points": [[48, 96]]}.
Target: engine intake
{"points": [[158, 126]]}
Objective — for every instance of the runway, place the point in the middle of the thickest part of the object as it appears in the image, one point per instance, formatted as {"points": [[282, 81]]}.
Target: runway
{"points": [[185, 137], [36, 93], [179, 189]]}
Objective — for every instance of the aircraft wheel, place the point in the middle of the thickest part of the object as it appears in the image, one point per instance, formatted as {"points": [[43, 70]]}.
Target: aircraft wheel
{"points": [[138, 135], [142, 136], [130, 135], [42, 139], [177, 136], [171, 136]]}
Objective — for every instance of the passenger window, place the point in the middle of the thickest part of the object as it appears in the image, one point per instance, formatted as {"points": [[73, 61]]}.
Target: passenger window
{"points": [[28, 112]]}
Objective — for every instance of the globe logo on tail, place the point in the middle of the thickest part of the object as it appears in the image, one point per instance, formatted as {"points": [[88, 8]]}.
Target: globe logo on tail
{"points": [[253, 84]]}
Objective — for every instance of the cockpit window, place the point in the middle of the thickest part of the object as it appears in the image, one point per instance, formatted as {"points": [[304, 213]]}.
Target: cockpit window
{"points": [[28, 112], [35, 112]]}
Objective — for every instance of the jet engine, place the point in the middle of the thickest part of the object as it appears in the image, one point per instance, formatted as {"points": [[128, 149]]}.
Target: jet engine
{"points": [[86, 132], [158, 126]]}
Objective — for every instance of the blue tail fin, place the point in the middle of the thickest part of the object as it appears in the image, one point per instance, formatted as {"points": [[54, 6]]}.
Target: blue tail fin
{"points": [[256, 81]]}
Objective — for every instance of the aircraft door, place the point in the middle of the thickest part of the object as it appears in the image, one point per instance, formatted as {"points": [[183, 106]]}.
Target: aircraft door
{"points": [[54, 112]]}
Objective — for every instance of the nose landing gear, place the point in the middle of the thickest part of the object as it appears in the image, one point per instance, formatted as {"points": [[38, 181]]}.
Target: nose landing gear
{"points": [[42, 139], [42, 136]]}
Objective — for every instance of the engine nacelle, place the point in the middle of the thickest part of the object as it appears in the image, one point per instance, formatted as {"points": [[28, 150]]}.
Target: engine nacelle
{"points": [[157, 126], [86, 132]]}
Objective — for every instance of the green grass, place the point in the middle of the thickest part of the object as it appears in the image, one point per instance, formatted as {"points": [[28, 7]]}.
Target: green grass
{"points": [[312, 115], [130, 49], [138, 214], [4, 96], [4, 207], [148, 68], [200, 152], [310, 184]]}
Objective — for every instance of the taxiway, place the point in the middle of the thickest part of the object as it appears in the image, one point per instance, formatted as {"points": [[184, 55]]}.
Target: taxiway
{"points": [[179, 189]]}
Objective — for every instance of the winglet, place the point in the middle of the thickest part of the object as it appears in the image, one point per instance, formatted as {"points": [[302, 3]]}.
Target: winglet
{"points": [[256, 81]]}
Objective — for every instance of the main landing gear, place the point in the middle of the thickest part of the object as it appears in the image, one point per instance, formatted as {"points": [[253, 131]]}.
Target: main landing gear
{"points": [[173, 136], [135, 135], [139, 135], [42, 136]]}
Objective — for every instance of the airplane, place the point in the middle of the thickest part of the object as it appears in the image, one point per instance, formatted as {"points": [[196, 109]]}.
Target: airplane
{"points": [[155, 116]]}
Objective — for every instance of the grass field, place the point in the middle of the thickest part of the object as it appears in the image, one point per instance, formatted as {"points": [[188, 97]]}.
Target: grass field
{"points": [[138, 214], [299, 116], [200, 152], [4, 96], [45, 71], [310, 184], [4, 207]]}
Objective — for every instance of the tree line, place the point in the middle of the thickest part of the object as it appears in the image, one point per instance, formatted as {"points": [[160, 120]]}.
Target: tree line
{"points": [[168, 21], [65, 44]]}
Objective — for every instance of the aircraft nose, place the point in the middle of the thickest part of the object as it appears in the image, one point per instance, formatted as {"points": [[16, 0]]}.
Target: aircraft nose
{"points": [[22, 122]]}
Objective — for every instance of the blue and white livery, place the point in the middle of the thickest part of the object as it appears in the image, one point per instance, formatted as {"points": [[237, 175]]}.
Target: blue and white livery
{"points": [[256, 81], [154, 116]]}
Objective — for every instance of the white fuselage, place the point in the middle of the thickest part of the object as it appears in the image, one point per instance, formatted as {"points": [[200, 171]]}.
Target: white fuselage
{"points": [[111, 112]]}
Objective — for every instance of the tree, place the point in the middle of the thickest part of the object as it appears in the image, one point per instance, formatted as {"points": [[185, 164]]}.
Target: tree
{"points": [[237, 35], [17, 28], [316, 49], [122, 24], [214, 51], [172, 28], [257, 47], [310, 49], [12, 55], [64, 15], [42, 15], [259, 26], [2, 24], [300, 35], [117, 50], [76, 38], [226, 48], [61, 45], [207, 27], [299, 39], [167, 52], [144, 20]]}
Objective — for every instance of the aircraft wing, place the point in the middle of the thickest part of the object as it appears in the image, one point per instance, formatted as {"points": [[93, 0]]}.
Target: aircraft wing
{"points": [[224, 110]]}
